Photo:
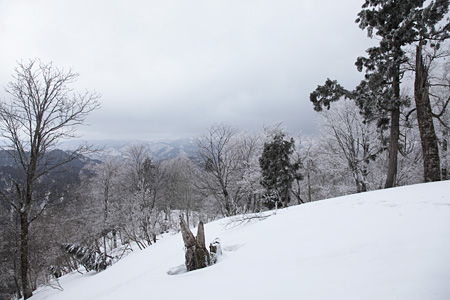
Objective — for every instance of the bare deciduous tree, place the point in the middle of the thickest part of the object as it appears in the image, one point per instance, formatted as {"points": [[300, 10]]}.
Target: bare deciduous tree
{"points": [[355, 140], [249, 149], [217, 151], [180, 188], [144, 184], [104, 189], [42, 111]]}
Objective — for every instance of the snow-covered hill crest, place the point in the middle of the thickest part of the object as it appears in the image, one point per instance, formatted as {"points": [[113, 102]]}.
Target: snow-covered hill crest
{"points": [[388, 244]]}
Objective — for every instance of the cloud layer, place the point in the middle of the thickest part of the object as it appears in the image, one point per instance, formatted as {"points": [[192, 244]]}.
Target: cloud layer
{"points": [[173, 68]]}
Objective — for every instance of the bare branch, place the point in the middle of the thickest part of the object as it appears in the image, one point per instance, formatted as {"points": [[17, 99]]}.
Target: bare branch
{"points": [[409, 114], [444, 108]]}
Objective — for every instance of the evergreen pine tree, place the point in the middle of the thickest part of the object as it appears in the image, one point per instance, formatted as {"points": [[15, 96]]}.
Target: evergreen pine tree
{"points": [[397, 24], [278, 172]]}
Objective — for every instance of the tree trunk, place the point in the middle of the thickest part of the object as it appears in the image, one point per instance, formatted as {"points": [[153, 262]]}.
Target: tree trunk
{"points": [[309, 180], [430, 149], [104, 243], [114, 233], [19, 293], [286, 197], [24, 261], [16, 280], [363, 184], [444, 170], [358, 186], [394, 132], [365, 167], [188, 212], [228, 208], [393, 148]]}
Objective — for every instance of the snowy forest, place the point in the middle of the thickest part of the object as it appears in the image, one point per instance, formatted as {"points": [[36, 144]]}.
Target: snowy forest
{"points": [[63, 210]]}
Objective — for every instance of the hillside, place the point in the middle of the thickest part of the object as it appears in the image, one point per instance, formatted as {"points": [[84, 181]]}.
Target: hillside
{"points": [[158, 150], [388, 244], [59, 179]]}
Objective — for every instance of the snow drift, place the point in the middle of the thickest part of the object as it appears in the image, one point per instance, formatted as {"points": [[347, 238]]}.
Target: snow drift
{"points": [[387, 244]]}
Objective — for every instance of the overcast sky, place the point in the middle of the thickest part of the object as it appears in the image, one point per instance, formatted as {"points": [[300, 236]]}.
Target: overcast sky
{"points": [[172, 68]]}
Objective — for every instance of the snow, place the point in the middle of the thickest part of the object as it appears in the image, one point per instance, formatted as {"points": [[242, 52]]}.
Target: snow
{"points": [[387, 244]]}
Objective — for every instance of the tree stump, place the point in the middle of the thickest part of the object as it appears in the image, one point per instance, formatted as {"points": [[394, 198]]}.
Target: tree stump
{"points": [[215, 250], [196, 256]]}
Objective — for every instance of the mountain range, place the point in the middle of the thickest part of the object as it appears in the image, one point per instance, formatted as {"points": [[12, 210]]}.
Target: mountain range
{"points": [[158, 150]]}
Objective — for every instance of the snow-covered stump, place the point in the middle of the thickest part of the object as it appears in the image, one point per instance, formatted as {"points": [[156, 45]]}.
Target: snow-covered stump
{"points": [[196, 256], [215, 250]]}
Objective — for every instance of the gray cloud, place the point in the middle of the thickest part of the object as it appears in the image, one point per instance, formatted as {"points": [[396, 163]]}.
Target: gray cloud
{"points": [[173, 68]]}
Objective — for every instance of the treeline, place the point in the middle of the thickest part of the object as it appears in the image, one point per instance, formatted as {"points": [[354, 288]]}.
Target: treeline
{"points": [[92, 220], [133, 199]]}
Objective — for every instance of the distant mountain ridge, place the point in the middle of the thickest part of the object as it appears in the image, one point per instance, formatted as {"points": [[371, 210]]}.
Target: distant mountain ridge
{"points": [[57, 181], [6, 160], [158, 150]]}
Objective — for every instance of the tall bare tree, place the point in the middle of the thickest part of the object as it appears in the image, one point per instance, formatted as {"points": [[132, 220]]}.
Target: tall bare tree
{"points": [[42, 110], [144, 183], [218, 152], [249, 148], [356, 141], [104, 189], [181, 193]]}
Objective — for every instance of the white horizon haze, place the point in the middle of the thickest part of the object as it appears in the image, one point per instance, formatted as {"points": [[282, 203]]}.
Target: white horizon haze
{"points": [[171, 69]]}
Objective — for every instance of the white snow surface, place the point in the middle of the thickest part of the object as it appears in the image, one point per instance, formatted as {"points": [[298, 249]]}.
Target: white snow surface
{"points": [[387, 244]]}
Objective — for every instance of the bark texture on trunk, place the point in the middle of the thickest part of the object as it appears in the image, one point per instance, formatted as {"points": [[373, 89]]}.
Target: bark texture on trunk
{"points": [[196, 256], [430, 148], [393, 148], [445, 163], [24, 262], [286, 197], [391, 178]]}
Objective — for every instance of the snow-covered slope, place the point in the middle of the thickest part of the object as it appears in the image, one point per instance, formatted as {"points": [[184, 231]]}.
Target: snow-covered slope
{"points": [[388, 244]]}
